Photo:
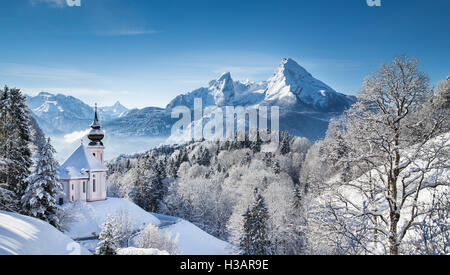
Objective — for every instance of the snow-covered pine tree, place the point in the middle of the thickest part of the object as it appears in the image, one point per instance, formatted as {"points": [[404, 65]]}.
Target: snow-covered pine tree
{"points": [[285, 144], [245, 241], [108, 238], [256, 145], [40, 198], [6, 196], [149, 187], [142, 186], [15, 139], [255, 239]]}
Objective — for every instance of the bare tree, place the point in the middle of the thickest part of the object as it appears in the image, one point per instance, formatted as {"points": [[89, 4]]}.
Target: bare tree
{"points": [[401, 153]]}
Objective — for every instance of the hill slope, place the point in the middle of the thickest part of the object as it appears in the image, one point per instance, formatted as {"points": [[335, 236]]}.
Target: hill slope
{"points": [[22, 235]]}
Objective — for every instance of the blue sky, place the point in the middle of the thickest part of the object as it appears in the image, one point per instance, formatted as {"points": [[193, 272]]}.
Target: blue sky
{"points": [[145, 52]]}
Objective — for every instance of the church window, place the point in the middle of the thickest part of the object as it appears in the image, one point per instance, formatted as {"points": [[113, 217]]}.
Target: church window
{"points": [[93, 186], [84, 187]]}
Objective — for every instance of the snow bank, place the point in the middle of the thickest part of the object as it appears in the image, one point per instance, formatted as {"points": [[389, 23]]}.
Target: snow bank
{"points": [[140, 251], [89, 217], [22, 235], [194, 241]]}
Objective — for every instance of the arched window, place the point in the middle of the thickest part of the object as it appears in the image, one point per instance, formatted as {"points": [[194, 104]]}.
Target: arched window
{"points": [[93, 186], [84, 187]]}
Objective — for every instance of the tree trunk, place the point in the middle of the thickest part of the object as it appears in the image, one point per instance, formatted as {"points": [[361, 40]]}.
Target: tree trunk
{"points": [[393, 242]]}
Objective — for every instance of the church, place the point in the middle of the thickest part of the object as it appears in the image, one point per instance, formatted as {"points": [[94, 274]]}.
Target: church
{"points": [[83, 174]]}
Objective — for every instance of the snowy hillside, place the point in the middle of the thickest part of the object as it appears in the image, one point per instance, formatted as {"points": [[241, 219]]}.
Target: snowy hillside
{"points": [[194, 241], [61, 114], [89, 217], [22, 235]]}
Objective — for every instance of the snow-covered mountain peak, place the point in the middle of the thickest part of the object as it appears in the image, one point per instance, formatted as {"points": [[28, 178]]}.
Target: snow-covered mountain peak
{"points": [[291, 84], [290, 68], [45, 94], [222, 89]]}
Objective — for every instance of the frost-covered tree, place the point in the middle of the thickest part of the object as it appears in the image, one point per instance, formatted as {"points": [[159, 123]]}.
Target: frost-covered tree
{"points": [[108, 243], [40, 197], [123, 224], [431, 236], [255, 238], [400, 157], [151, 237], [442, 95]]}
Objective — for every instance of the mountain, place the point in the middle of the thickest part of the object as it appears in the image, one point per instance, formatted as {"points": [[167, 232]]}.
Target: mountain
{"points": [[151, 121], [306, 103], [306, 106], [61, 114], [223, 92], [112, 112], [292, 85]]}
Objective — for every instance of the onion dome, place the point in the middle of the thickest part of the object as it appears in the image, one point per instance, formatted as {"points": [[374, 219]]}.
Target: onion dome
{"points": [[96, 135]]}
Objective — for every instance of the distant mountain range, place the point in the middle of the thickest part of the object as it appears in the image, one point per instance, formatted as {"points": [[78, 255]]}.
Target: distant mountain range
{"points": [[306, 105], [61, 114]]}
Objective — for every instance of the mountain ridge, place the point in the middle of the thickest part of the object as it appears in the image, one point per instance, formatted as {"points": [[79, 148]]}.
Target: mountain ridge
{"points": [[62, 114], [306, 105]]}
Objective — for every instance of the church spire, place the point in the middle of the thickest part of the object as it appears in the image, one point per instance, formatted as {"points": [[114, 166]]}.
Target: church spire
{"points": [[96, 135]]}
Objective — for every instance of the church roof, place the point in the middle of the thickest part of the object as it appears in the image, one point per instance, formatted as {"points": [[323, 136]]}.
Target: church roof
{"points": [[80, 162]]}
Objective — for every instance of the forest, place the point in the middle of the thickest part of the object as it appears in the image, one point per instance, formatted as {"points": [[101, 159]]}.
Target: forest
{"points": [[378, 183]]}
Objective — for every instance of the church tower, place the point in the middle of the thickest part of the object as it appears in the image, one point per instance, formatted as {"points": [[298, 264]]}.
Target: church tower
{"points": [[96, 136]]}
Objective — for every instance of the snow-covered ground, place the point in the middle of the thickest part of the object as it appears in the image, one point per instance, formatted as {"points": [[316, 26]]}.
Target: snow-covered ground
{"points": [[89, 217], [194, 241], [22, 235], [140, 251]]}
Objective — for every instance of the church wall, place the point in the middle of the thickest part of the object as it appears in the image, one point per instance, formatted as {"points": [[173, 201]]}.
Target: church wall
{"points": [[100, 186], [97, 151]]}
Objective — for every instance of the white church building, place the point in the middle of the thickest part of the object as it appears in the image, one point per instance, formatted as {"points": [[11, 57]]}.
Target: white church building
{"points": [[83, 174]]}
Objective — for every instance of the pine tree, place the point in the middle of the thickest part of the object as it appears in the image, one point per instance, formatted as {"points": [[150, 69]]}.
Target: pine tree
{"points": [[15, 140], [6, 196], [245, 242], [149, 187], [256, 145], [40, 198], [108, 238], [285, 145], [142, 186], [255, 239]]}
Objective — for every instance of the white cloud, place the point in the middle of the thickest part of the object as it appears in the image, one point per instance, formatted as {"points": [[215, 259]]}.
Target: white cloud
{"points": [[42, 72], [73, 137], [126, 32], [51, 3]]}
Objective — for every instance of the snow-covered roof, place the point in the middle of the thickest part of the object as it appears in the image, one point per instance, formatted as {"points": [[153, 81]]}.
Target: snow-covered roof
{"points": [[80, 162]]}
